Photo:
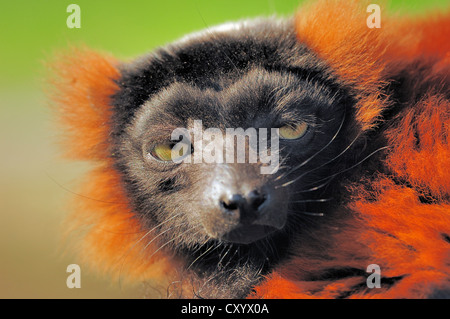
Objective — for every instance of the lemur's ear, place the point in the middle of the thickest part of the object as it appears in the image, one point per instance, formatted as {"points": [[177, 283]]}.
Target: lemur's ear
{"points": [[82, 83]]}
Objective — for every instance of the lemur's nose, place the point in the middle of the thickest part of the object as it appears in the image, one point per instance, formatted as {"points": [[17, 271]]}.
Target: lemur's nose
{"points": [[245, 208]]}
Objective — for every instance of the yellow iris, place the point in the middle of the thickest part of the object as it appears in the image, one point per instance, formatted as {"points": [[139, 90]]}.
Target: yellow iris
{"points": [[292, 132], [164, 152]]}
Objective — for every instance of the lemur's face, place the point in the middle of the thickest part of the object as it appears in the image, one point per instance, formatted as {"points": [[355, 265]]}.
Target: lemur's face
{"points": [[238, 79]]}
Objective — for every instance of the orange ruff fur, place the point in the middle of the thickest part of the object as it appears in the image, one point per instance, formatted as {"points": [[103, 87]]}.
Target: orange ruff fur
{"points": [[387, 225], [107, 236]]}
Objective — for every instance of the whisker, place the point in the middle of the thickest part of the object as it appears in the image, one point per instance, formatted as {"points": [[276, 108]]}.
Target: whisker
{"points": [[321, 200], [317, 153], [326, 163], [141, 239], [204, 253], [81, 195], [200, 246], [231, 257], [211, 277], [268, 246], [162, 233], [313, 188], [219, 264], [312, 214], [330, 177], [173, 239], [355, 165]]}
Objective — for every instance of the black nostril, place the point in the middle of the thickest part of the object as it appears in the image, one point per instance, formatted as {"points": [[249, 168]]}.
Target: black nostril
{"points": [[252, 202], [256, 199], [234, 203], [246, 209]]}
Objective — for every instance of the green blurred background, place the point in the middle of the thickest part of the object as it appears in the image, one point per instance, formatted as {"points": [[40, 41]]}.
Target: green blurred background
{"points": [[33, 180]]}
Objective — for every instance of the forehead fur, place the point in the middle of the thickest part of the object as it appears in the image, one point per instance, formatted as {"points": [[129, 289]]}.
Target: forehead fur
{"points": [[258, 98], [208, 60]]}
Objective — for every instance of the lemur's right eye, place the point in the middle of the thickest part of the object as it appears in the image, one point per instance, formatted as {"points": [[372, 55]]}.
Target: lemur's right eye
{"points": [[162, 152], [170, 152]]}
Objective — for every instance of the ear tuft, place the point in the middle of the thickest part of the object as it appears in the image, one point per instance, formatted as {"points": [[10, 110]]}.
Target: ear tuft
{"points": [[80, 86]]}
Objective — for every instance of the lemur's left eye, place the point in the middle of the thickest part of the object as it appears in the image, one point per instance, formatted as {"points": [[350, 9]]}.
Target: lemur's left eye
{"points": [[293, 131], [170, 152]]}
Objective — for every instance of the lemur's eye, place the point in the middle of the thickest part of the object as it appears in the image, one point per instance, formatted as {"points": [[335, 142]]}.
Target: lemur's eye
{"points": [[293, 131], [162, 152], [171, 152]]}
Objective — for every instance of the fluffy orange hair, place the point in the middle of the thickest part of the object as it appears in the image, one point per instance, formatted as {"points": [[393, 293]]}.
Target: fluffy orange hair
{"points": [[101, 226]]}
